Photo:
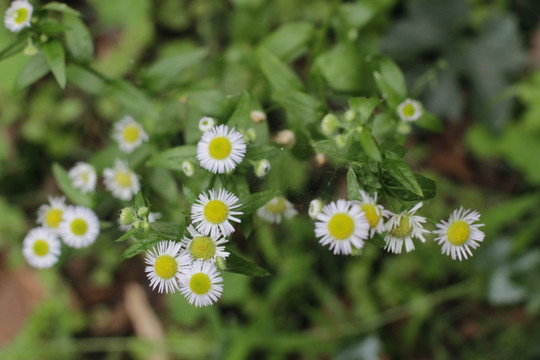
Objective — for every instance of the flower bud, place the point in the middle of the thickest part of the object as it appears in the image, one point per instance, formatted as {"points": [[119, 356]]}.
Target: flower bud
{"points": [[341, 141], [127, 216], [221, 263], [188, 168], [143, 212], [262, 167], [315, 208], [349, 115], [329, 124], [257, 116], [251, 135], [285, 138]]}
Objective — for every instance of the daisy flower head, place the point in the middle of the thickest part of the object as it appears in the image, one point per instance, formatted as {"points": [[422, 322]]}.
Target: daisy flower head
{"points": [[273, 210], [459, 233], [315, 208], [121, 181], [129, 134], [213, 212], [402, 228], [201, 284], [221, 149], [83, 177], [50, 215], [342, 225], [18, 15], [201, 247], [164, 265], [206, 123], [79, 227], [375, 213], [41, 248], [410, 110]]}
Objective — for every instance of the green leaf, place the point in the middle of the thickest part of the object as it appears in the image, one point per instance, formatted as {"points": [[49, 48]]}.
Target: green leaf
{"points": [[353, 189], [173, 158], [190, 196], [301, 107], [53, 51], [78, 39], [363, 107], [278, 74], [263, 152], [239, 265], [73, 194], [403, 174], [127, 235], [49, 27], [390, 82], [241, 116], [167, 230], [164, 183], [505, 213], [60, 7], [428, 186], [139, 247], [139, 200], [135, 101], [392, 150], [15, 46], [429, 121], [210, 102], [352, 154], [85, 79], [289, 41], [341, 67], [257, 200], [34, 70], [369, 144]]}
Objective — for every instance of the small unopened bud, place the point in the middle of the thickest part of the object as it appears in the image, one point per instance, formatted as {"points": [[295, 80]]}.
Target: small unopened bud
{"points": [[404, 128], [262, 167], [43, 38], [146, 228], [257, 116], [285, 138], [142, 212], [315, 208], [349, 115], [206, 123], [188, 168], [341, 141], [127, 216], [137, 224], [329, 124], [221, 263], [320, 159], [30, 49]]}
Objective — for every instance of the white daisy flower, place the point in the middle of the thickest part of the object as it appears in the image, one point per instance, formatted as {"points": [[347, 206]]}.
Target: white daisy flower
{"points": [[201, 284], [315, 208], [221, 149], [459, 234], [375, 213], [213, 212], [410, 110], [204, 247], [129, 134], [83, 177], [402, 228], [41, 248], [121, 181], [275, 208], [206, 123], [50, 215], [18, 15], [165, 263], [79, 227], [342, 225]]}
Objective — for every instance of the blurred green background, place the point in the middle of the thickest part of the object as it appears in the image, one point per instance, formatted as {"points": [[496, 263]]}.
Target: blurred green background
{"points": [[472, 63]]}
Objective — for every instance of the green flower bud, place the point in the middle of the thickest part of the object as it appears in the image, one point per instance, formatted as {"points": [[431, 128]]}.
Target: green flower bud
{"points": [[221, 263], [329, 124], [127, 216], [188, 168], [262, 167], [143, 212]]}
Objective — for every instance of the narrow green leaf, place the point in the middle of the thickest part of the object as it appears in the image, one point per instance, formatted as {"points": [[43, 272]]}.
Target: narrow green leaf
{"points": [[164, 183], [369, 145], [136, 101], [278, 74], [209, 102], [363, 107], [428, 186], [85, 79], [173, 158], [302, 108], [64, 183], [239, 265], [127, 235], [353, 189], [59, 7], [289, 41], [429, 121], [49, 27], [78, 39], [15, 46], [140, 247], [390, 82], [256, 200], [190, 196], [403, 174], [167, 230], [241, 115], [34, 70], [342, 67], [262, 152], [53, 51], [139, 200]]}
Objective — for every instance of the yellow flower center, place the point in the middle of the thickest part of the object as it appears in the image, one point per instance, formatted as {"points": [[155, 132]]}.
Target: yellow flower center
{"points": [[458, 232], [202, 247], [166, 266], [79, 227], [216, 211], [123, 179], [41, 247], [403, 229], [220, 147], [276, 205], [372, 214], [21, 15], [341, 226], [131, 133], [200, 283], [84, 177], [408, 110], [53, 217]]}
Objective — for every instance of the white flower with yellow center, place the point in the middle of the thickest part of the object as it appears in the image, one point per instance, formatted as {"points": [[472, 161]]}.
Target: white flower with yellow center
{"points": [[459, 233], [402, 228], [18, 15], [79, 227], [50, 215], [83, 177], [410, 110], [273, 210], [41, 248], [206, 123], [213, 213], [201, 247], [221, 149], [375, 213], [165, 263], [121, 181], [342, 225], [201, 284], [129, 134]]}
